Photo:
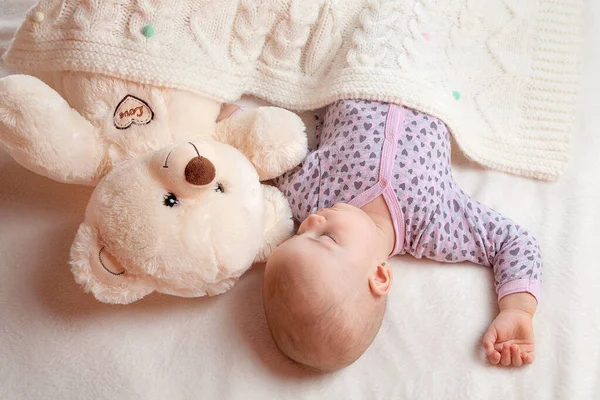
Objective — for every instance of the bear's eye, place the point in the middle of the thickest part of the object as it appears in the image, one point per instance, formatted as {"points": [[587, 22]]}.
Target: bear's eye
{"points": [[170, 200], [219, 188]]}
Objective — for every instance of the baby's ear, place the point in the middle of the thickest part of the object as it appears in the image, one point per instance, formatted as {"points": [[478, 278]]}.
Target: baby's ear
{"points": [[278, 222], [100, 273], [380, 280]]}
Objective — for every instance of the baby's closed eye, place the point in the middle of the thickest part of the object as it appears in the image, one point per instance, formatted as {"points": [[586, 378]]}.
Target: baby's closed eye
{"points": [[329, 236]]}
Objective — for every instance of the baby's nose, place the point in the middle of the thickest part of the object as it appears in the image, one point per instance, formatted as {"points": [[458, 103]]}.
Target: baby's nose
{"points": [[315, 220], [199, 171]]}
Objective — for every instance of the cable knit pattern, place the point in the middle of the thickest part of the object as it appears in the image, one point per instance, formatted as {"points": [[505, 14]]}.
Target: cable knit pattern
{"points": [[324, 42], [253, 22], [290, 35], [502, 74]]}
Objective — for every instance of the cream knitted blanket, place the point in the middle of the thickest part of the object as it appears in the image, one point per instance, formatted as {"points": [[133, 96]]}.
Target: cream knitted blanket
{"points": [[501, 73]]}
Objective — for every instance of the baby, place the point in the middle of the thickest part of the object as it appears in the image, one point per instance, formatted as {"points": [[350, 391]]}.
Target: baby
{"points": [[378, 185]]}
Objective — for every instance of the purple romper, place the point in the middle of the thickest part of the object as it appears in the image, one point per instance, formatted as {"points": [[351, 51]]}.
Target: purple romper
{"points": [[367, 149]]}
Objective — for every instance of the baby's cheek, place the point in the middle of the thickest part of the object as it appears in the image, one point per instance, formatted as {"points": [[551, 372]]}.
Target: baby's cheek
{"points": [[365, 247]]}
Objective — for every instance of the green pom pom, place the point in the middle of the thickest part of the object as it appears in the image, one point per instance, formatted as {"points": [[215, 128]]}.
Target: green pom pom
{"points": [[148, 31], [456, 95]]}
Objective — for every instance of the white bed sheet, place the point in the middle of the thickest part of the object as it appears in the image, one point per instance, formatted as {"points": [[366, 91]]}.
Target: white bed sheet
{"points": [[57, 342]]}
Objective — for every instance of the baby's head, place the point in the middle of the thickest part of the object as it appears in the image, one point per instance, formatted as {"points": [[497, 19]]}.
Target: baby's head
{"points": [[324, 290]]}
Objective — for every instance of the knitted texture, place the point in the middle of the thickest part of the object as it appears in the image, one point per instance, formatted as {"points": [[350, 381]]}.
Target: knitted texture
{"points": [[502, 74]]}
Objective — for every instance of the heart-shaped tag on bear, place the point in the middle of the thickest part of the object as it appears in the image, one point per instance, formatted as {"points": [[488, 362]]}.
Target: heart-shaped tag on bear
{"points": [[132, 110]]}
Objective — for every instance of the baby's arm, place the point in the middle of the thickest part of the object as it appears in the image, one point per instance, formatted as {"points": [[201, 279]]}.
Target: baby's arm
{"points": [[463, 229], [300, 186]]}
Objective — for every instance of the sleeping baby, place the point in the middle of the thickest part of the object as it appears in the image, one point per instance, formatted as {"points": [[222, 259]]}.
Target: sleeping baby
{"points": [[380, 184]]}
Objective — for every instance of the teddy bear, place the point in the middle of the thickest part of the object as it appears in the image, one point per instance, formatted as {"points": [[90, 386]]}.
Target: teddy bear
{"points": [[178, 206]]}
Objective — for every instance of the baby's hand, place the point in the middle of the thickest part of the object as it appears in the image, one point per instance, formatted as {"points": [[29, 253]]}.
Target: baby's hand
{"points": [[509, 340]]}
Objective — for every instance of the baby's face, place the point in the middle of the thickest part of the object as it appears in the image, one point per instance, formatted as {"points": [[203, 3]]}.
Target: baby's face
{"points": [[342, 236]]}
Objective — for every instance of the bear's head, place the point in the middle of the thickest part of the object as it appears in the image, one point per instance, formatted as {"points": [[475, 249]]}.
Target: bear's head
{"points": [[186, 220]]}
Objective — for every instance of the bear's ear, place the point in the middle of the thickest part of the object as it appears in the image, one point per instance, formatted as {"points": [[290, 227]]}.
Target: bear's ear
{"points": [[278, 222], [97, 270]]}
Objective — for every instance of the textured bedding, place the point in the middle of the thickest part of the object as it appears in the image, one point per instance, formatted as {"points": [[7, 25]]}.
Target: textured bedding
{"points": [[57, 342]]}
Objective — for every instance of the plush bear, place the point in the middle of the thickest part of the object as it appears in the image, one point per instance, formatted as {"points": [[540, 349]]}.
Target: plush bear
{"points": [[178, 205]]}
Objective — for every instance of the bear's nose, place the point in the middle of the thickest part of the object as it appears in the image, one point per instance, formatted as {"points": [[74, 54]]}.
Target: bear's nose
{"points": [[200, 171]]}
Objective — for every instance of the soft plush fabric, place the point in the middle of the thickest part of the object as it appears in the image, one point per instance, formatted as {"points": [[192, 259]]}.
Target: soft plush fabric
{"points": [[56, 342], [501, 74], [178, 205]]}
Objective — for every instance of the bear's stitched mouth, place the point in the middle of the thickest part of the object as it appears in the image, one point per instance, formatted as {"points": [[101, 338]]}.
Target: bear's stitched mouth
{"points": [[104, 266], [167, 158]]}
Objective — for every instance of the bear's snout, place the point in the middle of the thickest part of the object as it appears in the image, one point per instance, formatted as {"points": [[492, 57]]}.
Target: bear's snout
{"points": [[200, 171]]}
